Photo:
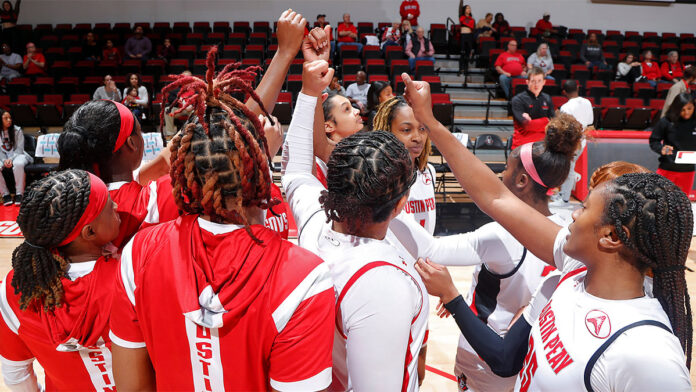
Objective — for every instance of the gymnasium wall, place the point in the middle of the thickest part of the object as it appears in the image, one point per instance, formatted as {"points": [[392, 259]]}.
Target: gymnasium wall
{"points": [[599, 14]]}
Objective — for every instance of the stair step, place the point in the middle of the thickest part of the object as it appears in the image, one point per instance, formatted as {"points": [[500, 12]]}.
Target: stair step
{"points": [[479, 120], [496, 112], [478, 102]]}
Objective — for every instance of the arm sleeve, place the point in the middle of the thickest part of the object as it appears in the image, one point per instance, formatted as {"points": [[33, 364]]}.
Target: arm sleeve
{"points": [[128, 48], [518, 109], [148, 45], [531, 59], [505, 356], [378, 327], [499, 60], [583, 53], [142, 96], [664, 69], [657, 136], [301, 353], [431, 51], [19, 141], [117, 96], [402, 11], [302, 189], [124, 325], [408, 52]]}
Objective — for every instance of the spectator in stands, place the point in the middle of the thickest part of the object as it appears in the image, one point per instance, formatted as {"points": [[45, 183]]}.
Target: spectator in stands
{"points": [[509, 65], [673, 133], [419, 48], [542, 59], [11, 64], [34, 62], [484, 28], [410, 11], [629, 70], [358, 90], [348, 33], [108, 90], [13, 158], [171, 123], [651, 70], [466, 36], [8, 18], [142, 97], [138, 46], [501, 26], [581, 109], [131, 102], [110, 53], [672, 69], [392, 35], [680, 87], [406, 33], [167, 51], [531, 110], [591, 53], [377, 93], [545, 27], [90, 49], [335, 87]]}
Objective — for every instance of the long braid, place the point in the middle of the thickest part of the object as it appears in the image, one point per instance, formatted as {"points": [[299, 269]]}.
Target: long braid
{"points": [[220, 159], [659, 219], [367, 175], [50, 210], [383, 119]]}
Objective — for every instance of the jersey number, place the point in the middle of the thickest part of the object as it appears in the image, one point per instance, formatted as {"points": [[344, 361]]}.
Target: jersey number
{"points": [[529, 368]]}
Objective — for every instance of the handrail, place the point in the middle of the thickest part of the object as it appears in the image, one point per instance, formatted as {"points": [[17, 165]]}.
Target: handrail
{"points": [[449, 33], [488, 104]]}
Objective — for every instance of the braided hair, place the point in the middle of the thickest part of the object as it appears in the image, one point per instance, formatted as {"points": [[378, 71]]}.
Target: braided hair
{"points": [[368, 173], [88, 138], [658, 216], [51, 208], [219, 161], [383, 119]]}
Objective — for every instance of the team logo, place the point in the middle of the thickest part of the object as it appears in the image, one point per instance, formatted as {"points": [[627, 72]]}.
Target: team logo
{"points": [[461, 381], [598, 324], [427, 180]]}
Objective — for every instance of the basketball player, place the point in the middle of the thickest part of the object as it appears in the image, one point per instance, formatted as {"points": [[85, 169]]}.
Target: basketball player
{"points": [[54, 301], [381, 308], [243, 309], [599, 330]]}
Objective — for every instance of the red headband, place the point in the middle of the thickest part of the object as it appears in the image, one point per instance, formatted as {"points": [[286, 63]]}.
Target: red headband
{"points": [[126, 124], [98, 195], [528, 163]]}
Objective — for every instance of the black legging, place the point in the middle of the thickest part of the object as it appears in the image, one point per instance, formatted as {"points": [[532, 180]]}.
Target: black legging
{"points": [[467, 42]]}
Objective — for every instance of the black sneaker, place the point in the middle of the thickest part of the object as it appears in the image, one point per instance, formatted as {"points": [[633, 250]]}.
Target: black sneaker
{"points": [[7, 200], [18, 200]]}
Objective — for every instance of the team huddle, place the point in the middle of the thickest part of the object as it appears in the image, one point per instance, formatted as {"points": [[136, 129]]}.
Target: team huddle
{"points": [[175, 280]]}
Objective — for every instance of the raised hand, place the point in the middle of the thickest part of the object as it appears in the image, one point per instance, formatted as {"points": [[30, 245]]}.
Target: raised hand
{"points": [[291, 29], [437, 280], [274, 133], [316, 76], [417, 94], [316, 45]]}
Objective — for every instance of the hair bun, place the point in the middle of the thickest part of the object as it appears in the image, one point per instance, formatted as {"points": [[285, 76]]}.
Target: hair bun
{"points": [[563, 135]]}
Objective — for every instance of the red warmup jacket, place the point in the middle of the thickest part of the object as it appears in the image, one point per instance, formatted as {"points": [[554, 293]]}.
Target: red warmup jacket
{"points": [[671, 71], [651, 71], [410, 7]]}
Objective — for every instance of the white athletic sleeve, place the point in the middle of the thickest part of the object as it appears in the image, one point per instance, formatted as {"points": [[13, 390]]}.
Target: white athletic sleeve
{"points": [[564, 262], [645, 358], [302, 189], [377, 313], [541, 297], [19, 376]]}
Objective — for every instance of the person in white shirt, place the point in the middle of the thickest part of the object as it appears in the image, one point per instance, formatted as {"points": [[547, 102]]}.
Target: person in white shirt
{"points": [[10, 63], [581, 109], [108, 90], [542, 59], [628, 226], [358, 90]]}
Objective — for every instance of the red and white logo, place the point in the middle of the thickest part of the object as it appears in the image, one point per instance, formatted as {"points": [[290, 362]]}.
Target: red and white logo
{"points": [[427, 180], [598, 324]]}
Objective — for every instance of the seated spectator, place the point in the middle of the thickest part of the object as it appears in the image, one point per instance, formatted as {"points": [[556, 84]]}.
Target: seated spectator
{"points": [[358, 90], [510, 64], [484, 28], [110, 53], [410, 11], [545, 27], [683, 86], [419, 48], [672, 69], [142, 97], [138, 46], [171, 123], [335, 87], [591, 53], [542, 59], [651, 70], [34, 62], [90, 49], [501, 26], [392, 35], [629, 70], [108, 90], [531, 110], [131, 102], [406, 32], [11, 64], [13, 158], [376, 94], [348, 33], [167, 51]]}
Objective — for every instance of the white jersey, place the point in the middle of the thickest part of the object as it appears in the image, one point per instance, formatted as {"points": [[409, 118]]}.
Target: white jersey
{"points": [[573, 326], [501, 285], [421, 199], [382, 306]]}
